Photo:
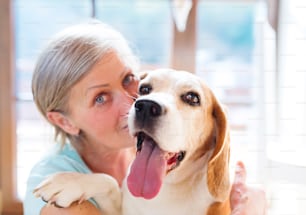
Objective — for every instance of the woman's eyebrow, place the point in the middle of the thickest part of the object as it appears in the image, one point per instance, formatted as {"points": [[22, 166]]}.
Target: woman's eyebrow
{"points": [[122, 74], [95, 87]]}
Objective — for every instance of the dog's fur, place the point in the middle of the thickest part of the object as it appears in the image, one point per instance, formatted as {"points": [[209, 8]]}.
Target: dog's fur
{"points": [[187, 124]]}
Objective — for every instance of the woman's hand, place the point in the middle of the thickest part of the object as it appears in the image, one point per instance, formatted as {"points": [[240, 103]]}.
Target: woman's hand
{"points": [[83, 208], [246, 200]]}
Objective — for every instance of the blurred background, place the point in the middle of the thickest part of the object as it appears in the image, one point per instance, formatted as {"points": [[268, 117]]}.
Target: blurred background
{"points": [[250, 52]]}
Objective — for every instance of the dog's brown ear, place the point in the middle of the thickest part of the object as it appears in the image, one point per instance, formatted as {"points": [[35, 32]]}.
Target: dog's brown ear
{"points": [[218, 167], [142, 74]]}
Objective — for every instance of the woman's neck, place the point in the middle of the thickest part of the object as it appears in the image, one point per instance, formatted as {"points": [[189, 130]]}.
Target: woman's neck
{"points": [[114, 163]]}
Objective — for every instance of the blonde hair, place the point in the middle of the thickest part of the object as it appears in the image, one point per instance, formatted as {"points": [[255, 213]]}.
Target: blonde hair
{"points": [[67, 58]]}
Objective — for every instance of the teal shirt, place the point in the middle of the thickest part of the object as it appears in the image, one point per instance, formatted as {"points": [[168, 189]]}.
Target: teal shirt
{"points": [[59, 160]]}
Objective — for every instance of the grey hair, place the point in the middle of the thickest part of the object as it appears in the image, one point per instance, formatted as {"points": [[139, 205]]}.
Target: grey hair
{"points": [[67, 58]]}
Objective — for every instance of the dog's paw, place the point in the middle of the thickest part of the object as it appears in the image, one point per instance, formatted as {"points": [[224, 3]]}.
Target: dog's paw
{"points": [[62, 189]]}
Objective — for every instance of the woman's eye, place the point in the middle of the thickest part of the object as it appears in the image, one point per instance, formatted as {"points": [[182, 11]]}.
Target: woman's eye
{"points": [[130, 78], [100, 99], [145, 89], [191, 98]]}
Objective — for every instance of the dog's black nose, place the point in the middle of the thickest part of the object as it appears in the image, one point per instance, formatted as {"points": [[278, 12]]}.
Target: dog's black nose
{"points": [[146, 109]]}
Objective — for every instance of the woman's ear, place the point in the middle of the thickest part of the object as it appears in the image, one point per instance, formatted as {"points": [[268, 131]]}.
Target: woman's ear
{"points": [[63, 122]]}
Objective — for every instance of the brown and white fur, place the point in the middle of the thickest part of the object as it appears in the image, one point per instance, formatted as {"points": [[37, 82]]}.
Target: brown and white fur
{"points": [[179, 116]]}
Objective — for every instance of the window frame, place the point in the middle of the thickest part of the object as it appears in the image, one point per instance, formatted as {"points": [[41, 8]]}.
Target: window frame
{"points": [[10, 203], [187, 41], [278, 163]]}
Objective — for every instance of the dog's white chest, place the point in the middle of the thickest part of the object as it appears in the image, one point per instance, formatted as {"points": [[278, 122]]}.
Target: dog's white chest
{"points": [[193, 200]]}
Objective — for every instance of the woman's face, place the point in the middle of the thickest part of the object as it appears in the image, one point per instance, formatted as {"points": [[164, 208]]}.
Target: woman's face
{"points": [[100, 102]]}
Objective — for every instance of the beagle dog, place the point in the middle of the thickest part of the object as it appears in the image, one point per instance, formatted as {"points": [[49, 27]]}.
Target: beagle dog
{"points": [[182, 160]]}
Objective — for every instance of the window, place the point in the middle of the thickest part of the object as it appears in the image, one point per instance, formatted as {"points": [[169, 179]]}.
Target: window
{"points": [[151, 44], [290, 85], [285, 111], [227, 55], [226, 58]]}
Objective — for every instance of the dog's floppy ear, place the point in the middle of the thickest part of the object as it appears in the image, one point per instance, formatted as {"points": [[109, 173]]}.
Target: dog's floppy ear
{"points": [[218, 167]]}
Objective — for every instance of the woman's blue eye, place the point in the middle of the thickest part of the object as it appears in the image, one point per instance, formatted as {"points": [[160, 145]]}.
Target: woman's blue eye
{"points": [[100, 99], [128, 79]]}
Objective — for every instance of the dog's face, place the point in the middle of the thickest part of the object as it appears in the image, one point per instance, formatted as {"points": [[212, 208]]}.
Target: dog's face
{"points": [[172, 110], [173, 119]]}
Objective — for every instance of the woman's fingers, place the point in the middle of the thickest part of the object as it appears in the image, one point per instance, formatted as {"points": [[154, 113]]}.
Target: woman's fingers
{"points": [[240, 173], [246, 200], [239, 189]]}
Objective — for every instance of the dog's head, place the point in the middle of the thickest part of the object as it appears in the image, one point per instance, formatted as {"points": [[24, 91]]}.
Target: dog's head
{"points": [[176, 119]]}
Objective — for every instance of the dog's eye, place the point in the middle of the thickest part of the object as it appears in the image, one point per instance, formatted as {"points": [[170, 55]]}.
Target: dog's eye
{"points": [[145, 89], [191, 98]]}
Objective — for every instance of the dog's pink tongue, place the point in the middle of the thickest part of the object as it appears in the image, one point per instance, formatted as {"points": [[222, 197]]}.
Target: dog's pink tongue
{"points": [[147, 171]]}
